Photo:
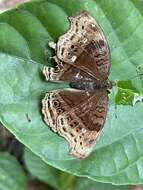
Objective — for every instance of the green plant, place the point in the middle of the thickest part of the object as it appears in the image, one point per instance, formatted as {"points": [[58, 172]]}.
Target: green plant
{"points": [[61, 180], [24, 35]]}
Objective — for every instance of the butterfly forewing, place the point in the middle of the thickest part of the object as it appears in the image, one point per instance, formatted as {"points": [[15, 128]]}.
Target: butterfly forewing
{"points": [[84, 46], [82, 52]]}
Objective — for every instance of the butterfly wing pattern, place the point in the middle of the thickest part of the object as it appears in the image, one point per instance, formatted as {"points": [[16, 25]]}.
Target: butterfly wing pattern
{"points": [[78, 115]]}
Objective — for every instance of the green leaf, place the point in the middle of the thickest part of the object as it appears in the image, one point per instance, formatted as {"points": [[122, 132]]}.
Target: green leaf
{"points": [[11, 174], [61, 180], [41, 170], [24, 34]]}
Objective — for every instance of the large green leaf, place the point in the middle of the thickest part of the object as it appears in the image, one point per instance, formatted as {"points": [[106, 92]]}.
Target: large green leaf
{"points": [[11, 174], [24, 34], [61, 180]]}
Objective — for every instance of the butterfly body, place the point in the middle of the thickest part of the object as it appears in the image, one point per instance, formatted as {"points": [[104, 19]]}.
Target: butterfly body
{"points": [[91, 85], [83, 59]]}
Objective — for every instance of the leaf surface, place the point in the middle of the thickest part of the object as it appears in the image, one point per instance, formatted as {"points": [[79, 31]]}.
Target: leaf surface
{"points": [[24, 34], [62, 180]]}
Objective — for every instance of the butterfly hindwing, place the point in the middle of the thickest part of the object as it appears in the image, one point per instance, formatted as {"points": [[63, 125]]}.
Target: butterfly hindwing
{"points": [[76, 115]]}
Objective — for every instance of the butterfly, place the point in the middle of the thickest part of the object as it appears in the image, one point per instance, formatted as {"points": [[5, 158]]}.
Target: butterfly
{"points": [[83, 59]]}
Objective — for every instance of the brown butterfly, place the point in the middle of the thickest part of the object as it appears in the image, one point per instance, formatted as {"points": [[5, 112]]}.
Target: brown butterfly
{"points": [[83, 58]]}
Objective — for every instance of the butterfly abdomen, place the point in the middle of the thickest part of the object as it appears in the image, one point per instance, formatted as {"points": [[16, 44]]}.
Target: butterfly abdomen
{"points": [[90, 85]]}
